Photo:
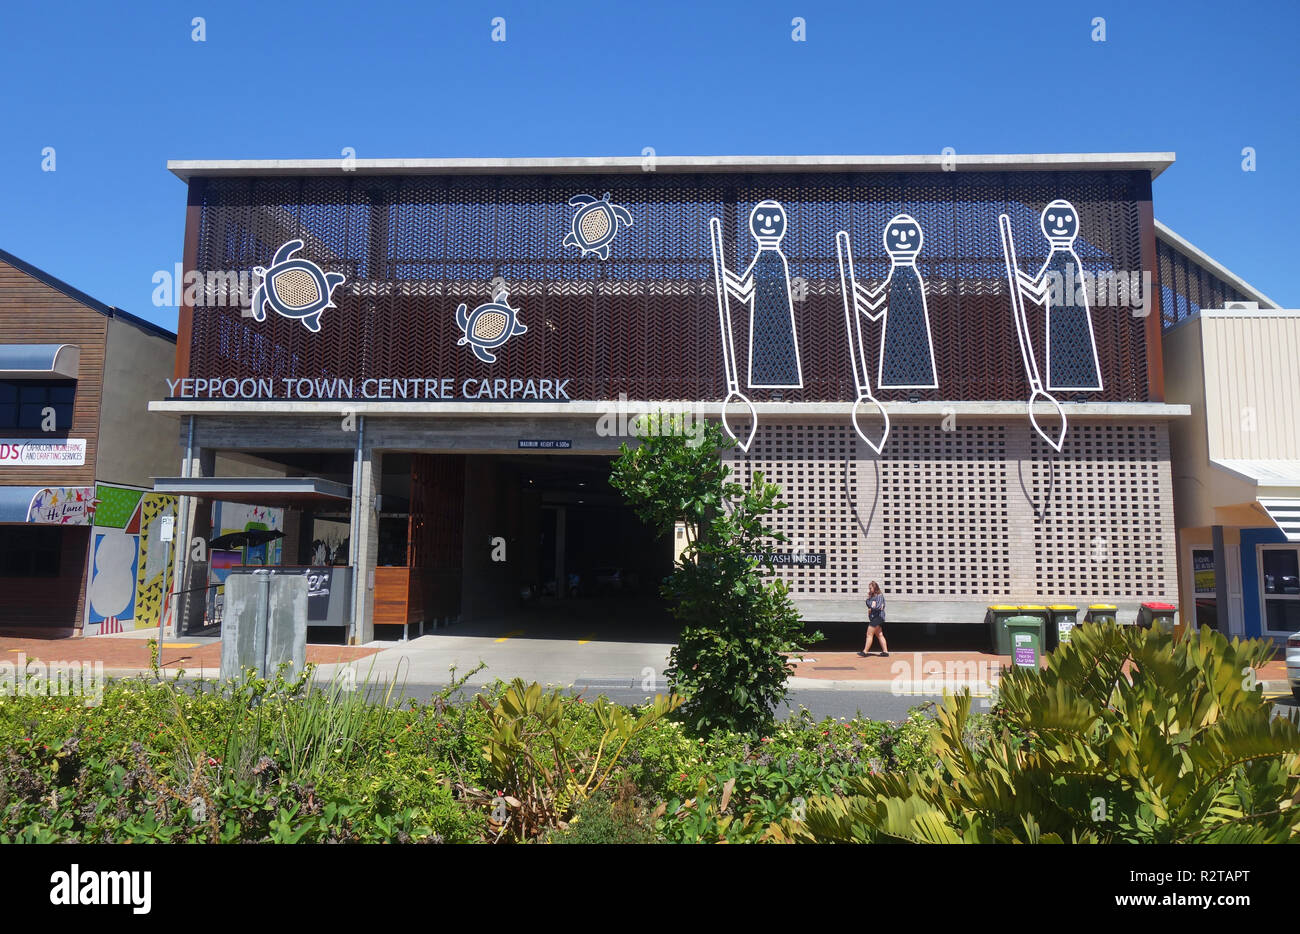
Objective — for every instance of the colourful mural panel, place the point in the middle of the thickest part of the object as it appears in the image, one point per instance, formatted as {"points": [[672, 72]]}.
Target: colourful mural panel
{"points": [[117, 506], [110, 600], [238, 517], [153, 579]]}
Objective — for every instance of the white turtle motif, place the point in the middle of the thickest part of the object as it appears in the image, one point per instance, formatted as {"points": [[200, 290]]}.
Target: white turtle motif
{"points": [[596, 224], [489, 326]]}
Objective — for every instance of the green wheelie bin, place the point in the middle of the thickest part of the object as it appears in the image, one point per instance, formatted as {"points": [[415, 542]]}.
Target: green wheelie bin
{"points": [[1101, 613], [1064, 619], [1026, 636], [993, 619], [1047, 641]]}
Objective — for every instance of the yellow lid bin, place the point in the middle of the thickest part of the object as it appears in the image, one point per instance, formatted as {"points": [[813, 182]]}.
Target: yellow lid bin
{"points": [[1101, 613], [1065, 617], [994, 617]]}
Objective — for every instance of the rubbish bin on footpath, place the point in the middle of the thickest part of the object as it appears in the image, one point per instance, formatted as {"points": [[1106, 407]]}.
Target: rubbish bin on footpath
{"points": [[1025, 634], [1064, 619], [1047, 641], [1101, 613], [998, 636], [1159, 615]]}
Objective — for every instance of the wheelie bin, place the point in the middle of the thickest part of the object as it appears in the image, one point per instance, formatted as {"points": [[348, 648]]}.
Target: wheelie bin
{"points": [[1064, 619], [993, 620], [1026, 636]]}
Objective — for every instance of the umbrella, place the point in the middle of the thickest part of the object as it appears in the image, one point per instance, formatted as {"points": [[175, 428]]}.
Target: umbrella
{"points": [[250, 538]]}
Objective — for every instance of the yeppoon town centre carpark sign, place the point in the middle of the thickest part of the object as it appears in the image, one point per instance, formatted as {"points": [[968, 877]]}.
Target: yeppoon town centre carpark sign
{"points": [[466, 306], [379, 389]]}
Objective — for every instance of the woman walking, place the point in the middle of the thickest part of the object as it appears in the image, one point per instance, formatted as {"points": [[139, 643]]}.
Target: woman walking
{"points": [[875, 621]]}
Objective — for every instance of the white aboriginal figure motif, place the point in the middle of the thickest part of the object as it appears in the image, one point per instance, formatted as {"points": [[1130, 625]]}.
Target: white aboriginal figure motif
{"points": [[765, 286], [1072, 363], [906, 348]]}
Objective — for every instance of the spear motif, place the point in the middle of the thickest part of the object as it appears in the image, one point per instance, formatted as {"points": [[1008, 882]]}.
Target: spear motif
{"points": [[728, 344], [865, 401], [1038, 394]]}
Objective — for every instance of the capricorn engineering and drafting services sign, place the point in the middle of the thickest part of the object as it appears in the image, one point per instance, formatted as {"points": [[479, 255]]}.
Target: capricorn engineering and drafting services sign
{"points": [[26, 452], [853, 288]]}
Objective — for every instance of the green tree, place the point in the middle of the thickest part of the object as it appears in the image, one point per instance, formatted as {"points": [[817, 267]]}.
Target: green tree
{"points": [[730, 662], [1127, 736]]}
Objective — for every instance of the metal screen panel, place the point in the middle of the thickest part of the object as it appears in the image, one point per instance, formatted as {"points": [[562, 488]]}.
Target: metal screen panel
{"points": [[644, 321], [1186, 286]]}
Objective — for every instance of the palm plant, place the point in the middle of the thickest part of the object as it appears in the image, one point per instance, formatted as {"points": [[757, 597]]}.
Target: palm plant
{"points": [[1127, 735]]}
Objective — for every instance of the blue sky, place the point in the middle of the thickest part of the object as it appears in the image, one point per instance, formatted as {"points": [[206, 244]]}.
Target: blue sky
{"points": [[117, 89]]}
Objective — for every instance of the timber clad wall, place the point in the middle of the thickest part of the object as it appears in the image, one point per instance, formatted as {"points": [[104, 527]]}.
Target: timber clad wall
{"points": [[32, 312]]}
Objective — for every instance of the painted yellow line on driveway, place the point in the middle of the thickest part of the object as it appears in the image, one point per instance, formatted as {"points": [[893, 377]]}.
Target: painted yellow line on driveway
{"points": [[510, 635], [179, 645]]}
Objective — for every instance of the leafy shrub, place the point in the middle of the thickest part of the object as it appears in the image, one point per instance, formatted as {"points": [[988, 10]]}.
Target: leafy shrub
{"points": [[1128, 735], [545, 775], [607, 817], [730, 661]]}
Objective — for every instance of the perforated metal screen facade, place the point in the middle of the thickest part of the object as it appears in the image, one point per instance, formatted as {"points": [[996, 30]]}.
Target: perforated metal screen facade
{"points": [[1186, 286], [644, 322]]}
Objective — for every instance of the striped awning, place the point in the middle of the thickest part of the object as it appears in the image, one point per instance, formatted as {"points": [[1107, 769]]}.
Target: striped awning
{"points": [[39, 361], [1285, 514]]}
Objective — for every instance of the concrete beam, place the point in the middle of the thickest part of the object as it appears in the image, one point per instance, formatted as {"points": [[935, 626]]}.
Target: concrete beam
{"points": [[1153, 162], [1146, 411]]}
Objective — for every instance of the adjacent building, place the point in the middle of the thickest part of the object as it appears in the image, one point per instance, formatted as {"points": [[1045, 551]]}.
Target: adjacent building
{"points": [[82, 543], [1230, 354]]}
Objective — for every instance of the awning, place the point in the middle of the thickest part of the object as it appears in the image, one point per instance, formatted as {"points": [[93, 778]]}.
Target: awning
{"points": [[1276, 488], [48, 505], [258, 491], [15, 501], [39, 361], [1285, 514]]}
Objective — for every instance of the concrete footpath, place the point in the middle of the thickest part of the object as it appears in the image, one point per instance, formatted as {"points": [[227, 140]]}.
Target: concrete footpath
{"points": [[551, 655]]}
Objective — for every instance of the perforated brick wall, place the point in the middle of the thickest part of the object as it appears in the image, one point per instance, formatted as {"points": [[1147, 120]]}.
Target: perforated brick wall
{"points": [[983, 512]]}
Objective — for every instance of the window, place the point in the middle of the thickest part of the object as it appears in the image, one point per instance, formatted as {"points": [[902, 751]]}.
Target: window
{"points": [[23, 403], [30, 551], [1279, 571]]}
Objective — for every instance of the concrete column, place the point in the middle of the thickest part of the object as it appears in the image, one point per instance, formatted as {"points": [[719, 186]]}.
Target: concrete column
{"points": [[289, 544], [191, 574], [365, 535]]}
